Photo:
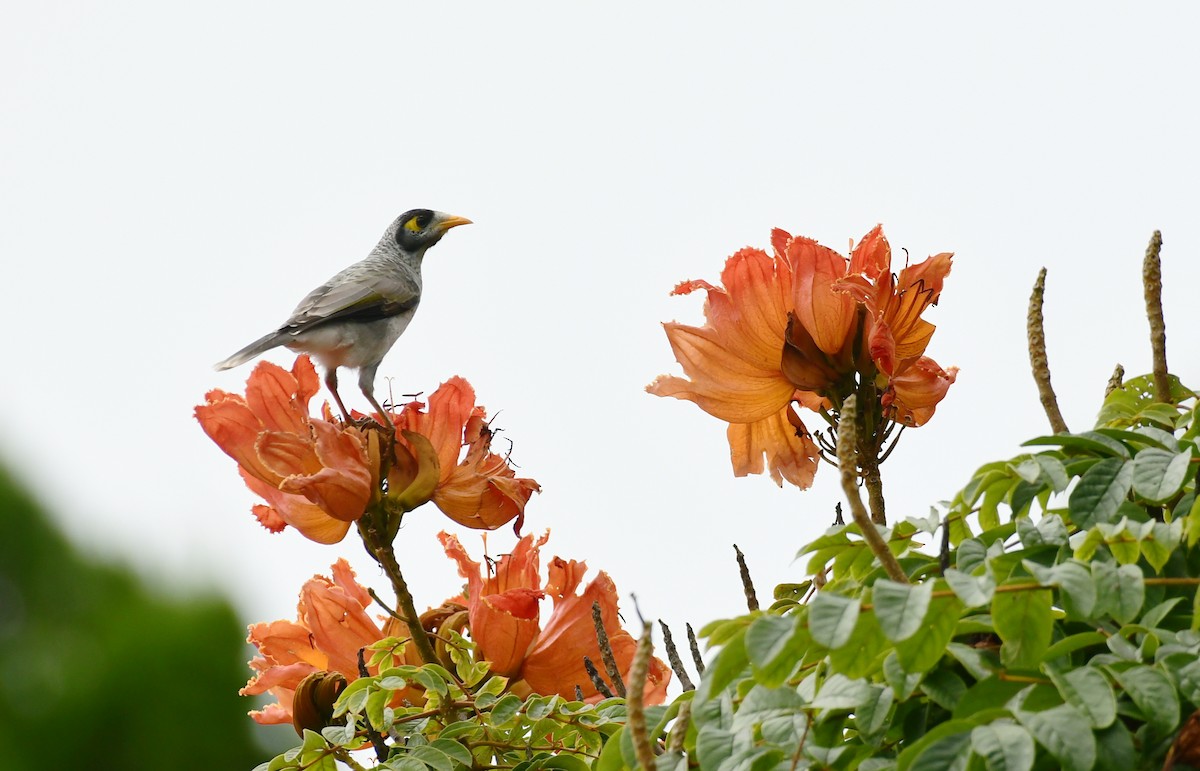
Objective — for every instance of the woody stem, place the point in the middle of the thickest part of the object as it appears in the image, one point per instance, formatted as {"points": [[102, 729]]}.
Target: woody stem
{"points": [[382, 552]]}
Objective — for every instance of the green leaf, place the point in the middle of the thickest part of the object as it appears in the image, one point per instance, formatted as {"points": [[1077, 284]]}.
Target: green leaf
{"points": [[1088, 691], [1130, 594], [505, 709], [1052, 471], [986, 694], [859, 657], [900, 608], [831, 618], [771, 639], [944, 688], [1100, 492], [763, 703], [729, 664], [978, 663], [1116, 751], [1024, 623], [1153, 694], [1064, 733], [1003, 746], [902, 683], [1158, 546], [948, 754], [840, 692], [434, 758], [925, 648], [871, 715], [1158, 474], [714, 745], [1189, 682], [1089, 441], [972, 554], [958, 731], [454, 751], [1072, 643], [974, 592]]}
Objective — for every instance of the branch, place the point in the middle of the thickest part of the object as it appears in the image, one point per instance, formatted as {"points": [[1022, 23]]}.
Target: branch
{"points": [[848, 461], [635, 700], [673, 657], [1152, 282], [381, 750], [606, 651], [1037, 355], [697, 659], [747, 584]]}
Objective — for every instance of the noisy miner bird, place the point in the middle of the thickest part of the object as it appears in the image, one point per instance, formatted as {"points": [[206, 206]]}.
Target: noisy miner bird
{"points": [[354, 318]]}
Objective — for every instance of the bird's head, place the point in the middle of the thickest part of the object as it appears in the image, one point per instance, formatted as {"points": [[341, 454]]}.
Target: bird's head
{"points": [[416, 230]]}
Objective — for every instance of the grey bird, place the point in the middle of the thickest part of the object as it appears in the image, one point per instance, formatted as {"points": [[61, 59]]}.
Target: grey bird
{"points": [[354, 318]]}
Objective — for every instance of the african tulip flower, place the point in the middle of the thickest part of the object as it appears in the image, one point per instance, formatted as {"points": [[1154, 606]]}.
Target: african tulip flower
{"points": [[505, 622], [732, 364], [320, 476], [807, 327], [314, 475], [481, 490], [331, 625]]}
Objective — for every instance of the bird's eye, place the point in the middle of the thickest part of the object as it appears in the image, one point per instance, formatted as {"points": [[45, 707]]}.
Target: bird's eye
{"points": [[414, 224]]}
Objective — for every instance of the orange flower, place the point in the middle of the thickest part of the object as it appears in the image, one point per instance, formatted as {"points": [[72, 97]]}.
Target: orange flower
{"points": [[314, 475], [503, 606], [505, 622], [481, 491], [320, 476], [806, 326], [331, 626], [733, 365]]}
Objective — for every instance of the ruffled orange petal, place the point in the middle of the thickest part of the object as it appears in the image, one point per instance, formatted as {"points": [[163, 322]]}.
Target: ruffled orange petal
{"points": [[230, 423], [280, 398], [338, 621], [827, 315], [733, 360], [295, 510], [872, 256], [555, 664], [789, 451], [916, 391]]}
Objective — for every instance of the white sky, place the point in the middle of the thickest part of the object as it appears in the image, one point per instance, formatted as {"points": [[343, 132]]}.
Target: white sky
{"points": [[174, 177]]}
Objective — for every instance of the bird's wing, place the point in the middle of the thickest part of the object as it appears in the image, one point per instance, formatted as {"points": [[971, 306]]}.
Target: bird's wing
{"points": [[359, 293]]}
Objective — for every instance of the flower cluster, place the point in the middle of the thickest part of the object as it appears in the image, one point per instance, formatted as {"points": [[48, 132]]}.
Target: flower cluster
{"points": [[807, 326], [504, 613], [331, 625], [320, 476]]}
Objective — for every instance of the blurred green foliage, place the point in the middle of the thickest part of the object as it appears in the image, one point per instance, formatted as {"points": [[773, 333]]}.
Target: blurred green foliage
{"points": [[98, 671]]}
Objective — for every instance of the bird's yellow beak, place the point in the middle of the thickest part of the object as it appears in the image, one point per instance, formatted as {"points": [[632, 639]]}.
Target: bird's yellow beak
{"points": [[453, 222]]}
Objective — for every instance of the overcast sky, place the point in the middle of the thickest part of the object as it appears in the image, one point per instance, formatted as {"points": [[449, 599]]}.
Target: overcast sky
{"points": [[175, 177]]}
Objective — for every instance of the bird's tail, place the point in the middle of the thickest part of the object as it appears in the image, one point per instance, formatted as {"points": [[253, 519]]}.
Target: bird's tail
{"points": [[264, 343]]}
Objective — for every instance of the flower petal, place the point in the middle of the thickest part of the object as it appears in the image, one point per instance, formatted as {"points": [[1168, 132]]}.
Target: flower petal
{"points": [[789, 451], [917, 389], [827, 315]]}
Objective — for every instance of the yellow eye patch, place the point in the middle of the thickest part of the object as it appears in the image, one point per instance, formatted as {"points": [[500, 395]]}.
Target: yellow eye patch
{"points": [[412, 225]]}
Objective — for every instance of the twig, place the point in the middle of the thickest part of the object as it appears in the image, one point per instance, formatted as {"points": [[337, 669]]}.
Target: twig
{"points": [[635, 700], [1152, 282], [695, 646], [597, 680], [679, 728], [673, 657], [381, 750], [1038, 360], [874, 484], [847, 460], [1116, 381], [606, 651], [837, 515], [747, 584], [578, 693]]}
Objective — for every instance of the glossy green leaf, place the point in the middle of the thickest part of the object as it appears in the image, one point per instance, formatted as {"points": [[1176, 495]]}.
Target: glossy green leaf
{"points": [[1003, 746], [1100, 491], [840, 692], [900, 608], [1087, 690], [1089, 441], [975, 592], [1064, 732], [1024, 623], [925, 647], [831, 618], [1159, 474], [859, 657], [771, 638], [1154, 695]]}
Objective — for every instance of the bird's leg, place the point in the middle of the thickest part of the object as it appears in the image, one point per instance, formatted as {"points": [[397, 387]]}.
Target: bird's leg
{"points": [[331, 384], [366, 383]]}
